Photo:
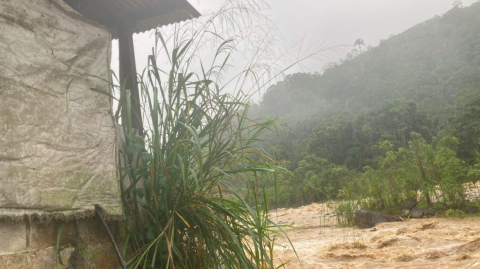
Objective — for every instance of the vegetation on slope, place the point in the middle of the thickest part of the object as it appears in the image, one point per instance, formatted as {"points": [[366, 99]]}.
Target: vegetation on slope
{"points": [[385, 122]]}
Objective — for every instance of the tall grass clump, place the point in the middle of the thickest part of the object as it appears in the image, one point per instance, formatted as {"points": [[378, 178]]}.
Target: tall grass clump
{"points": [[181, 209], [180, 177]]}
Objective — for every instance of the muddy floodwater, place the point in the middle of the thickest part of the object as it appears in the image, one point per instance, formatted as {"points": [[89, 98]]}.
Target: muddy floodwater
{"points": [[415, 243]]}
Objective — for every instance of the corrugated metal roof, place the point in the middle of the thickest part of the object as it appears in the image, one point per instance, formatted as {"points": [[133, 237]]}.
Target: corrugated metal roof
{"points": [[143, 15]]}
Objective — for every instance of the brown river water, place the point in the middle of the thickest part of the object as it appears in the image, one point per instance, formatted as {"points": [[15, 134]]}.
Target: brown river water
{"points": [[414, 243]]}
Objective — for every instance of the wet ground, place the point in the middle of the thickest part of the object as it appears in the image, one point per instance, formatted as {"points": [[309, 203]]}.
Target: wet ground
{"points": [[415, 243]]}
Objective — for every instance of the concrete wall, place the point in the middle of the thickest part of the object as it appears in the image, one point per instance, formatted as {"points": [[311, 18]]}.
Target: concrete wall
{"points": [[31, 243]]}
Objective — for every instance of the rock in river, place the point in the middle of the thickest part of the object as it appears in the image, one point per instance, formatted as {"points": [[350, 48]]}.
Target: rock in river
{"points": [[368, 219], [417, 212], [410, 205], [471, 209]]}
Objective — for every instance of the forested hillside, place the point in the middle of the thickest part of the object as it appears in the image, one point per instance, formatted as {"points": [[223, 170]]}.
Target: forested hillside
{"points": [[420, 87], [428, 63]]}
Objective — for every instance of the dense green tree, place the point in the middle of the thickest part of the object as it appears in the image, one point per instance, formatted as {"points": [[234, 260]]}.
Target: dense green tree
{"points": [[466, 127], [353, 140]]}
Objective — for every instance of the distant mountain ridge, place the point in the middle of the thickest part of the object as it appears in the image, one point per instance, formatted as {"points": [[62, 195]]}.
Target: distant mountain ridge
{"points": [[428, 64], [425, 80]]}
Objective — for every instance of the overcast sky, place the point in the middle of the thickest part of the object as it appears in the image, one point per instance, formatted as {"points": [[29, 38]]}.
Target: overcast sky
{"points": [[337, 21]]}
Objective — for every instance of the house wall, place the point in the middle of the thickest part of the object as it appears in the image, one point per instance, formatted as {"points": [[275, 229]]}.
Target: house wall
{"points": [[57, 148]]}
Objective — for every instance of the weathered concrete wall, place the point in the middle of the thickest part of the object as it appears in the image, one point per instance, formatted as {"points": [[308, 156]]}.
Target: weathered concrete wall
{"points": [[53, 162], [43, 258], [84, 243]]}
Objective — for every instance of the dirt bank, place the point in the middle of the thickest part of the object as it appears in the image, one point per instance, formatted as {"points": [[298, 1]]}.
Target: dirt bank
{"points": [[416, 243]]}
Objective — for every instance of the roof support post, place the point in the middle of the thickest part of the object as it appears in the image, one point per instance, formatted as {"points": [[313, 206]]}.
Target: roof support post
{"points": [[128, 75]]}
